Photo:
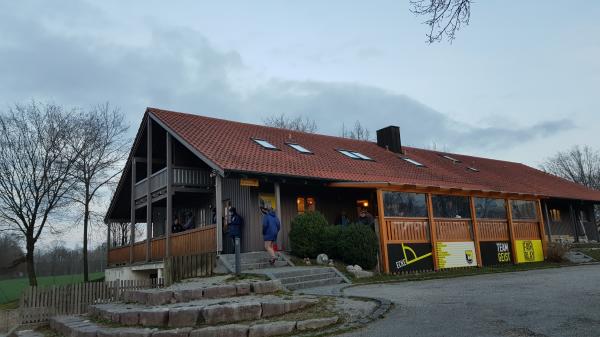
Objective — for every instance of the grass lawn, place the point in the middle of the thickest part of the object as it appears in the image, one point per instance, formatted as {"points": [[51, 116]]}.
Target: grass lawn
{"points": [[10, 290]]}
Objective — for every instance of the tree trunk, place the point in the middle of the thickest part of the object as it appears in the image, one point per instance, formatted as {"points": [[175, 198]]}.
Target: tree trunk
{"points": [[86, 219], [30, 265]]}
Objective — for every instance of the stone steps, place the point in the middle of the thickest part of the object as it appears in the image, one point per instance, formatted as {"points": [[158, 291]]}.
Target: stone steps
{"points": [[156, 297], [303, 278], [198, 313], [80, 326], [253, 261]]}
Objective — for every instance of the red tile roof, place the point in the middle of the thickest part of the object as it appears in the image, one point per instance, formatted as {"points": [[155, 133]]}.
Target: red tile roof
{"points": [[229, 145]]}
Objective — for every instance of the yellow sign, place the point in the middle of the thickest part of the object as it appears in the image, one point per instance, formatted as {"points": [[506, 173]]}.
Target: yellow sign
{"points": [[529, 251], [265, 199], [249, 182]]}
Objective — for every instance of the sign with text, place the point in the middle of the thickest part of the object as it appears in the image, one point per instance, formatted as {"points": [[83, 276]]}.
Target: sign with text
{"points": [[456, 254], [249, 182], [529, 251], [495, 253], [409, 257]]}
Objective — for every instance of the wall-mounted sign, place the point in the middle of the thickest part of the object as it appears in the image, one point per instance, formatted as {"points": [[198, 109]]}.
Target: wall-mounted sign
{"points": [[529, 251], [409, 257], [251, 182], [266, 199], [456, 254], [495, 253]]}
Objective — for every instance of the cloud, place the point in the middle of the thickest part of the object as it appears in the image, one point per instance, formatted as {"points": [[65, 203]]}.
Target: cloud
{"points": [[177, 68]]}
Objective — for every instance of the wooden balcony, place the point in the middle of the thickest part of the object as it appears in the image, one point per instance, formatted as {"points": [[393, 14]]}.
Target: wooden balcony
{"points": [[191, 242], [182, 177]]}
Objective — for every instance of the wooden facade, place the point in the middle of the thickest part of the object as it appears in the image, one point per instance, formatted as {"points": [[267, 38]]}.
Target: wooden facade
{"points": [[167, 178]]}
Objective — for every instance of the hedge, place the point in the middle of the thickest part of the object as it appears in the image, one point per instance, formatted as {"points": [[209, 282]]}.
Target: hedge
{"points": [[311, 235]]}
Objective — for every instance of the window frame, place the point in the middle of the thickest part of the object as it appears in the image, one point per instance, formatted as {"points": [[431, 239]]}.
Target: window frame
{"points": [[261, 142], [450, 158], [413, 162], [301, 148], [475, 198], [535, 210], [424, 209], [355, 155]]}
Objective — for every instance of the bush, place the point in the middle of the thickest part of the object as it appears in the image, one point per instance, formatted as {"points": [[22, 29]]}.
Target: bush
{"points": [[354, 244], [358, 244], [306, 234], [556, 251]]}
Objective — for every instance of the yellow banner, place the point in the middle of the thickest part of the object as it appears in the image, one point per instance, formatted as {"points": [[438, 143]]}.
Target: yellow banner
{"points": [[529, 251]]}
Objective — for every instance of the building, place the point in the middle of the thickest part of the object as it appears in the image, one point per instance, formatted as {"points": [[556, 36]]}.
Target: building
{"points": [[434, 209]]}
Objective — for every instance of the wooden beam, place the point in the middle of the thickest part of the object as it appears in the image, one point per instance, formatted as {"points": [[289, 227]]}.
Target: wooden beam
{"points": [[219, 205], [132, 214], [149, 191], [511, 230], [382, 233], [542, 229], [108, 243], [475, 231], [432, 233], [278, 208], [548, 221], [169, 195]]}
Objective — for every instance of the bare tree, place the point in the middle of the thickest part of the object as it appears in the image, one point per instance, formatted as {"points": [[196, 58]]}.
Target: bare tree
{"points": [[445, 17], [37, 154], [579, 164], [105, 147], [358, 132], [303, 124]]}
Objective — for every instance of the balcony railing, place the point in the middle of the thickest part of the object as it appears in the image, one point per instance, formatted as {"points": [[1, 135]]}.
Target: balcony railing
{"points": [[182, 176]]}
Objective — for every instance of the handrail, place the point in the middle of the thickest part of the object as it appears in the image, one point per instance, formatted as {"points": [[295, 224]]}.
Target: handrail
{"points": [[141, 181], [199, 229]]}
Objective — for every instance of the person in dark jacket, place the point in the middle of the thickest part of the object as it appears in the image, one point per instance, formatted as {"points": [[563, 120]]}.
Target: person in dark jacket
{"points": [[234, 227], [271, 227]]}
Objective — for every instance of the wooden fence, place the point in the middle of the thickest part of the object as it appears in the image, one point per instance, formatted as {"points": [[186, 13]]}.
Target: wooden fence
{"points": [[181, 267], [39, 303], [8, 319], [403, 230], [493, 230]]}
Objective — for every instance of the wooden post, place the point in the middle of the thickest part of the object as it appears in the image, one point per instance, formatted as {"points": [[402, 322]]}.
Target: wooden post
{"points": [[149, 190], [169, 197], [548, 222], [108, 244], [475, 230], [278, 209], [383, 237], [132, 214], [574, 221], [511, 230], [542, 229], [219, 205], [432, 232]]}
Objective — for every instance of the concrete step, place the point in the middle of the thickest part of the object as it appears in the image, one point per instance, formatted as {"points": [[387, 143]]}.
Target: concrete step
{"points": [[310, 277], [301, 271], [261, 265], [314, 283], [252, 261]]}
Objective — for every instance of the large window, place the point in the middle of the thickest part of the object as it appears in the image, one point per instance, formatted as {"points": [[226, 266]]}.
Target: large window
{"points": [[402, 204], [449, 206], [487, 208], [305, 204], [523, 210]]}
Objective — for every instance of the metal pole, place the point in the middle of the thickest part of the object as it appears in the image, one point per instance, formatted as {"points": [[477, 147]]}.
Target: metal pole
{"points": [[219, 205], [238, 257], [169, 219], [149, 191]]}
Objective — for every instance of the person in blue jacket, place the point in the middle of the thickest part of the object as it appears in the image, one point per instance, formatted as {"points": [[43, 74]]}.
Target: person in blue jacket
{"points": [[271, 226], [234, 227]]}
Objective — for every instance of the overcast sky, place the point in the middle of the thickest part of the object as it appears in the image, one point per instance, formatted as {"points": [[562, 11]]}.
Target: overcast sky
{"points": [[519, 83]]}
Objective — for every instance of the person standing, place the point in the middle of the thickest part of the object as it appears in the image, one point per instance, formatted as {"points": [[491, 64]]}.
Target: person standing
{"points": [[234, 227], [365, 218], [271, 226]]}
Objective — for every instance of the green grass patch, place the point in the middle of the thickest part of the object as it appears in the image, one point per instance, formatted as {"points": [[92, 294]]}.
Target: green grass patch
{"points": [[10, 290], [456, 272], [593, 253]]}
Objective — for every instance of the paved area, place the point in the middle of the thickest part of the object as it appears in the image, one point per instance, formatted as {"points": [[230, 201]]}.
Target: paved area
{"points": [[550, 302]]}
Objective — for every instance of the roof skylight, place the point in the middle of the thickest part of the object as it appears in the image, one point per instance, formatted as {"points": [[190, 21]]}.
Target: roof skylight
{"points": [[299, 148], [265, 144], [354, 155], [454, 160], [472, 169], [414, 162]]}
